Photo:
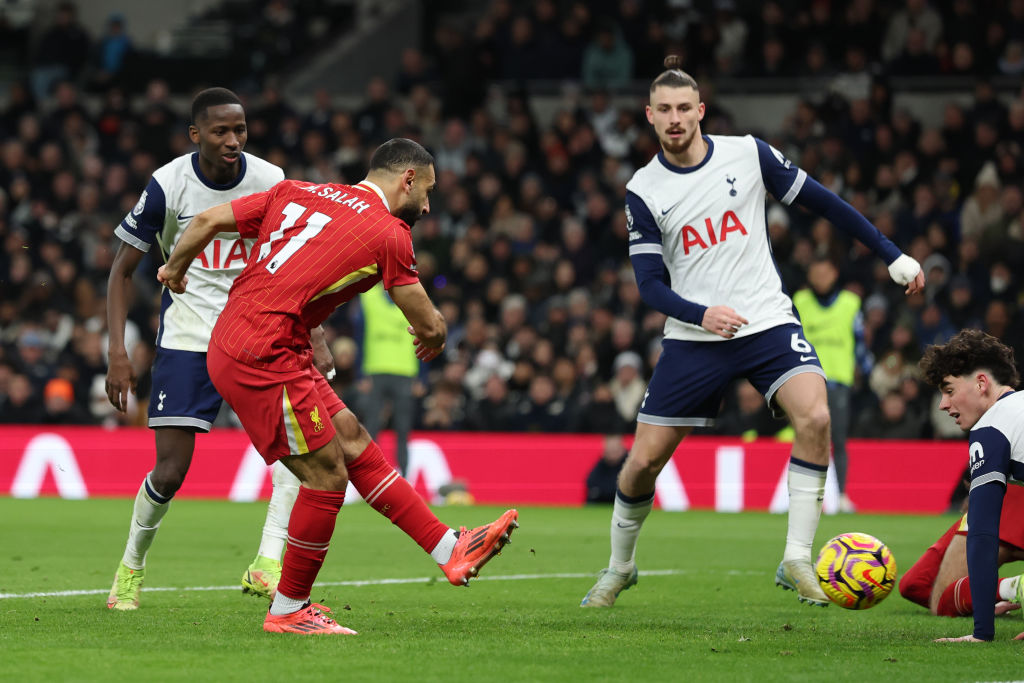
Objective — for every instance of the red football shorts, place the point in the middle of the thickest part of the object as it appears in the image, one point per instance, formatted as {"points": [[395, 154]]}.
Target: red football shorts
{"points": [[1011, 520], [284, 413]]}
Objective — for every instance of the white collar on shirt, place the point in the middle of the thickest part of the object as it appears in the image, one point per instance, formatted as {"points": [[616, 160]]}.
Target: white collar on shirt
{"points": [[380, 193]]}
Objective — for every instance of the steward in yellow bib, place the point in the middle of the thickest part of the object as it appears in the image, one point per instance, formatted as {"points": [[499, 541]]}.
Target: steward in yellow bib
{"points": [[833, 324], [391, 367]]}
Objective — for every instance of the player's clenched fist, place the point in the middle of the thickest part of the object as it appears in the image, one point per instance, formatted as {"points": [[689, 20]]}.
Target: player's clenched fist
{"points": [[723, 321], [171, 280]]}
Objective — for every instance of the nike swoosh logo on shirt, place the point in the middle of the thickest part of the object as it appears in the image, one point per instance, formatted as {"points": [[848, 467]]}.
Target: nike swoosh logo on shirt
{"points": [[185, 218], [665, 212]]}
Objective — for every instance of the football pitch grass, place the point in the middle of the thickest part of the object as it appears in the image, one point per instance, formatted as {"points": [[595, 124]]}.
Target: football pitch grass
{"points": [[706, 611]]}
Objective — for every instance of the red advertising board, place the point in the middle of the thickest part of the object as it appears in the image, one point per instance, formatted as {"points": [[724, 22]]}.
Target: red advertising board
{"points": [[521, 469]]}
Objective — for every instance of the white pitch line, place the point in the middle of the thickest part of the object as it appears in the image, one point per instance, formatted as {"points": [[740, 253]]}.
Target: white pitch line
{"points": [[321, 584]]}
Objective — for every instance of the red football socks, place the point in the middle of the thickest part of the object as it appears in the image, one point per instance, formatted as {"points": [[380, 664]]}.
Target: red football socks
{"points": [[392, 496], [309, 534], [956, 599]]}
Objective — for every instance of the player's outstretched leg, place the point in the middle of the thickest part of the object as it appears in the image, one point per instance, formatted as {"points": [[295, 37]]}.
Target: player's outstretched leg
{"points": [[475, 548], [386, 491], [263, 574], [390, 494], [150, 507]]}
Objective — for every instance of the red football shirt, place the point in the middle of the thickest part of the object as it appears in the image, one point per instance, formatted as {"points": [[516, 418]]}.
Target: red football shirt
{"points": [[318, 246]]}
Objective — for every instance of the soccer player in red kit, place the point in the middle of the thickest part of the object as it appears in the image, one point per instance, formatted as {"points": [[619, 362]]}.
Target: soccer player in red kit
{"points": [[319, 245]]}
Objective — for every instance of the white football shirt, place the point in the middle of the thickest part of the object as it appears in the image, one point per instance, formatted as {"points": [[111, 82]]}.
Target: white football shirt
{"points": [[707, 222], [175, 194], [997, 442]]}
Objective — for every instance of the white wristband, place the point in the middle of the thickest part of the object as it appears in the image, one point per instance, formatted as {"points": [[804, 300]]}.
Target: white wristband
{"points": [[904, 269], [330, 374]]}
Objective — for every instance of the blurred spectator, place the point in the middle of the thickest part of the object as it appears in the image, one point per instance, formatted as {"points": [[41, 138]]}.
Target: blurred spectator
{"points": [[854, 80], [961, 304], [917, 15], [114, 48], [601, 415], [540, 409], [32, 358], [443, 407], [890, 371], [60, 407], [603, 477], [933, 326], [890, 420], [345, 352], [628, 385], [747, 414], [62, 51], [982, 210], [369, 120], [22, 404], [414, 71], [1012, 61], [608, 60], [494, 411], [732, 36], [916, 58]]}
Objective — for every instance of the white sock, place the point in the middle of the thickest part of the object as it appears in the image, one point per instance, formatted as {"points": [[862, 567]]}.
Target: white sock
{"points": [[627, 519], [279, 511], [806, 491], [442, 552], [150, 508], [285, 605], [1008, 589]]}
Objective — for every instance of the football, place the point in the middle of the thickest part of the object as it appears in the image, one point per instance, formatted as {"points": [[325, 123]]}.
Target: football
{"points": [[856, 570]]}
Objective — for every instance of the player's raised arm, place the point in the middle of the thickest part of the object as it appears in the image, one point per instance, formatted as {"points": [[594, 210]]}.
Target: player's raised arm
{"points": [[427, 324], [790, 184], [195, 238]]}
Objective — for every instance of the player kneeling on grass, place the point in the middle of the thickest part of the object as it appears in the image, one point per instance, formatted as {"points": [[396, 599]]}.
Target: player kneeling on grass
{"points": [[938, 581], [319, 245], [976, 376]]}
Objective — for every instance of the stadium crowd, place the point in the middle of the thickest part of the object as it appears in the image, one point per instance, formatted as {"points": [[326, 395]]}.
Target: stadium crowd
{"points": [[525, 248]]}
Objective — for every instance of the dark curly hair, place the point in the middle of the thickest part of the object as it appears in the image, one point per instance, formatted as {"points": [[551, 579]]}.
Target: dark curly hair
{"points": [[966, 352]]}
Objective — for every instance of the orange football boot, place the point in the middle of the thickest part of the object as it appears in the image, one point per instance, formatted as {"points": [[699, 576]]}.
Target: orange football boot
{"points": [[476, 547]]}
